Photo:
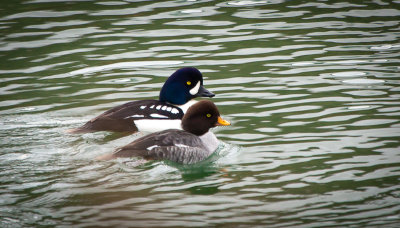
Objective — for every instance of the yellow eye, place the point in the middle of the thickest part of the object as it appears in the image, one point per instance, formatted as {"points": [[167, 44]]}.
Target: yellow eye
{"points": [[189, 83], [208, 115]]}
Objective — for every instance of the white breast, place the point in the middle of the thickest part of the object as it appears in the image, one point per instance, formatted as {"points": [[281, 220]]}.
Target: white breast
{"points": [[210, 141], [185, 107]]}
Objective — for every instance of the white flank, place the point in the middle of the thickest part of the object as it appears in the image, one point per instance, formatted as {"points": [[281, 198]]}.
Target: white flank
{"points": [[155, 115], [151, 147], [195, 89], [153, 125]]}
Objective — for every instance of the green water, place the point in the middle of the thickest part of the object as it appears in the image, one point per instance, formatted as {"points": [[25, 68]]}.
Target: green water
{"points": [[311, 89]]}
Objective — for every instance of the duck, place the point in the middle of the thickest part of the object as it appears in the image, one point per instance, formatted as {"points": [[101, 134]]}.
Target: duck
{"points": [[193, 144], [152, 115]]}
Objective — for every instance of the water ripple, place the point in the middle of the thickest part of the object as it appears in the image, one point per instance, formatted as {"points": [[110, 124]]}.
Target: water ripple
{"points": [[311, 89]]}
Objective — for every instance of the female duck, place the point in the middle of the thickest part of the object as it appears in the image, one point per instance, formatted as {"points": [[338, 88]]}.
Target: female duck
{"points": [[153, 115], [191, 145]]}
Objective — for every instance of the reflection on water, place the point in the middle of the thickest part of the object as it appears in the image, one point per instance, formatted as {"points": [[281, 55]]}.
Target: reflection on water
{"points": [[312, 90]]}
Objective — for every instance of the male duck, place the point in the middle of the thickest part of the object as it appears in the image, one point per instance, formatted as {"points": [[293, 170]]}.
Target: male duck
{"points": [[153, 115], [191, 145]]}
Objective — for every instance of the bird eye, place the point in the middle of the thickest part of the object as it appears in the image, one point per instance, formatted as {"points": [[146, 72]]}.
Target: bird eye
{"points": [[208, 115], [189, 83]]}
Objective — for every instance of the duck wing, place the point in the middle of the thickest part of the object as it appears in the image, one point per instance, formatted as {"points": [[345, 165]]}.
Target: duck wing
{"points": [[121, 118], [173, 145]]}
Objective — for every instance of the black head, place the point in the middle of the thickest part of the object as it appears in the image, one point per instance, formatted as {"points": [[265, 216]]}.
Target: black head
{"points": [[202, 116], [184, 85]]}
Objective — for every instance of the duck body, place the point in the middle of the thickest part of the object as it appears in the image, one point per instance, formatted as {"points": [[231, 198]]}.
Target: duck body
{"points": [[173, 145], [135, 116], [193, 144], [153, 115]]}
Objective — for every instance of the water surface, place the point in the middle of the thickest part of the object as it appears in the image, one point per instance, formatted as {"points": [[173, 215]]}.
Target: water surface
{"points": [[312, 90]]}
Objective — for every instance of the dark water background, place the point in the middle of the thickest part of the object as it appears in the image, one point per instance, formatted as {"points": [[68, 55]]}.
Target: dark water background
{"points": [[311, 87]]}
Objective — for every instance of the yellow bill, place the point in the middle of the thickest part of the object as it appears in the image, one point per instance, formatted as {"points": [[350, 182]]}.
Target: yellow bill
{"points": [[222, 122]]}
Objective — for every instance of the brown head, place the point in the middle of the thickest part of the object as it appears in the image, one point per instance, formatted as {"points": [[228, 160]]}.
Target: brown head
{"points": [[202, 116]]}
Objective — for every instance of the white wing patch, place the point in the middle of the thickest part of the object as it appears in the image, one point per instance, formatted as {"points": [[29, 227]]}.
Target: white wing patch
{"points": [[143, 107], [156, 115], [135, 116], [151, 147], [181, 145], [174, 111]]}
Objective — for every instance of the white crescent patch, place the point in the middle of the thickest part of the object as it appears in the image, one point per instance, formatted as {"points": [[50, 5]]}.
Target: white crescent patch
{"points": [[195, 89]]}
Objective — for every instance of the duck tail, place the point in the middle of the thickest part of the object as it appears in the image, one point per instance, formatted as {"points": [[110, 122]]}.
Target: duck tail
{"points": [[79, 130], [106, 157]]}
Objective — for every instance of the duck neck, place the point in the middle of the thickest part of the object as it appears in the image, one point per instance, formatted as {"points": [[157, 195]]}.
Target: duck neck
{"points": [[172, 94]]}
